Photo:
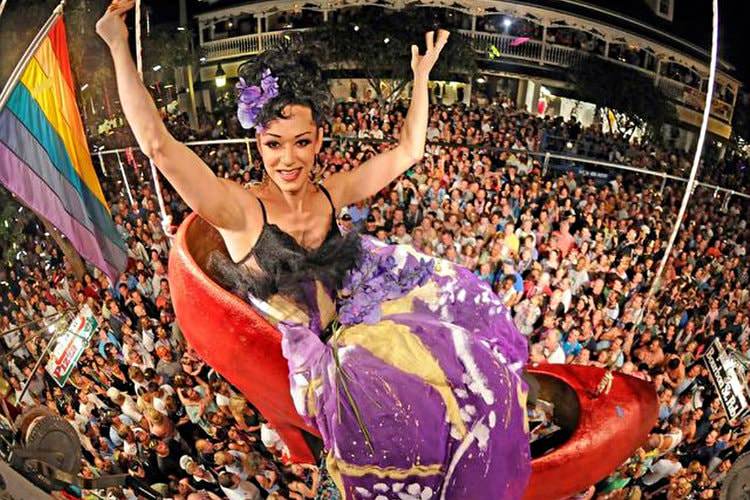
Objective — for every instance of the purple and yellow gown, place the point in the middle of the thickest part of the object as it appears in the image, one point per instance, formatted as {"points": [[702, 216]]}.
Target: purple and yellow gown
{"points": [[416, 389], [417, 393]]}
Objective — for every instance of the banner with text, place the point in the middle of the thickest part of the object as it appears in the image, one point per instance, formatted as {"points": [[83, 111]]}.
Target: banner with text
{"points": [[731, 389], [70, 346]]}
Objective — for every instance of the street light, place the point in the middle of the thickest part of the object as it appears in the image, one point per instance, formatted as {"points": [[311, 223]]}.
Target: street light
{"points": [[221, 77], [507, 22]]}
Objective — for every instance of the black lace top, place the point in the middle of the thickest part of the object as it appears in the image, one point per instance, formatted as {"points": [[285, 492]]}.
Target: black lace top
{"points": [[283, 263]]}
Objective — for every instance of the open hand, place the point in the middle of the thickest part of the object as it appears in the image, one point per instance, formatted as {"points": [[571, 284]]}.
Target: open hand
{"points": [[111, 27], [421, 65]]}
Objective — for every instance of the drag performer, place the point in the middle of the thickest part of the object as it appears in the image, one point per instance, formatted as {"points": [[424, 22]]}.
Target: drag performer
{"points": [[408, 366]]}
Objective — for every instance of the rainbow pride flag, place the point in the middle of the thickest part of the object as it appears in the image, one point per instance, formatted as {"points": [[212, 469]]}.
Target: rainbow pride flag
{"points": [[45, 159]]}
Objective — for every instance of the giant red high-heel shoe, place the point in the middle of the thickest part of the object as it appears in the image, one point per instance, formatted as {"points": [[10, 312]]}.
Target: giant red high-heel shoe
{"points": [[598, 433]]}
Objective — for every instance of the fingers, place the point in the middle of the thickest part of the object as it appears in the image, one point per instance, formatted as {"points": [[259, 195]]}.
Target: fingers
{"points": [[121, 6], [414, 53], [429, 38], [442, 37]]}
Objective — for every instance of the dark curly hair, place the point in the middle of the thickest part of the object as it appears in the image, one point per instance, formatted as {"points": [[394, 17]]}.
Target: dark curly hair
{"points": [[300, 81]]}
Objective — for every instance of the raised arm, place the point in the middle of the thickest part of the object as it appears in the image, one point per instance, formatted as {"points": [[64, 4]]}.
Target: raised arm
{"points": [[212, 198], [376, 173]]}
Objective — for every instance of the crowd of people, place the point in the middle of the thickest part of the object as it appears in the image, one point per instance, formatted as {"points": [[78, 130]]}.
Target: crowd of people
{"points": [[573, 257]]}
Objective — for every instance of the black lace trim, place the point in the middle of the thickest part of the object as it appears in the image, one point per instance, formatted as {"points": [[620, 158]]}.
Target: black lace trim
{"points": [[284, 264]]}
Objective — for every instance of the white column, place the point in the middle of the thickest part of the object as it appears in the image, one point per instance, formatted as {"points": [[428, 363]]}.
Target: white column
{"points": [[325, 16], [259, 19], [658, 71], [544, 45], [735, 91]]}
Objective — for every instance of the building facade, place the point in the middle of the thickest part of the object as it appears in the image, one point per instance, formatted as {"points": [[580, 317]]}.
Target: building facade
{"points": [[559, 34]]}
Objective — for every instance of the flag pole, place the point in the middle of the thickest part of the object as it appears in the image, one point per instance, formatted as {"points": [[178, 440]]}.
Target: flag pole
{"points": [[28, 54]]}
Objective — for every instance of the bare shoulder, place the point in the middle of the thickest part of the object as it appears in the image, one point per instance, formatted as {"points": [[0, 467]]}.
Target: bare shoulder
{"points": [[238, 193]]}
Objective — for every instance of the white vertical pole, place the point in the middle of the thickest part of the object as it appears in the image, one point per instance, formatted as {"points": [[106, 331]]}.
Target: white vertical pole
{"points": [[157, 187], [101, 165], [124, 178], [138, 54], [698, 149]]}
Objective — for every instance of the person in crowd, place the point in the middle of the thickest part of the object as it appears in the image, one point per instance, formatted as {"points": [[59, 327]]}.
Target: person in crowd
{"points": [[585, 261], [282, 238]]}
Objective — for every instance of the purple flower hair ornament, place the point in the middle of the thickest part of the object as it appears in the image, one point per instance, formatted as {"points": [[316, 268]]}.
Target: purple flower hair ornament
{"points": [[252, 98]]}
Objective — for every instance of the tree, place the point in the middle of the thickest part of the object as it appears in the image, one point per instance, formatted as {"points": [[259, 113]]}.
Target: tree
{"points": [[18, 25], [15, 219], [631, 96], [12, 224], [168, 48], [378, 43]]}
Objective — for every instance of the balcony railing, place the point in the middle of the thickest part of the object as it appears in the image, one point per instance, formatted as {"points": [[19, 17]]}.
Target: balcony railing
{"points": [[532, 51], [694, 98], [245, 45]]}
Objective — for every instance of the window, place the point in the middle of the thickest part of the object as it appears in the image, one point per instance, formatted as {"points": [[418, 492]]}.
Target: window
{"points": [[665, 8]]}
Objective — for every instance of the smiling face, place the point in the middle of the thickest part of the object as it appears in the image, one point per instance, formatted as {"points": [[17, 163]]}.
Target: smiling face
{"points": [[288, 147]]}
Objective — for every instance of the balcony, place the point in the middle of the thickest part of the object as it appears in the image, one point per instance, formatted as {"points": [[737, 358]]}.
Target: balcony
{"points": [[534, 52], [246, 45]]}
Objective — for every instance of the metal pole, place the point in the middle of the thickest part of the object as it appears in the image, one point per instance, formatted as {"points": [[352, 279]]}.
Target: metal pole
{"points": [[699, 149], [36, 366], [17, 328], [663, 185], [191, 97], [542, 156], [546, 164], [138, 54], [159, 197], [2, 6], [124, 178], [30, 50], [101, 165]]}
